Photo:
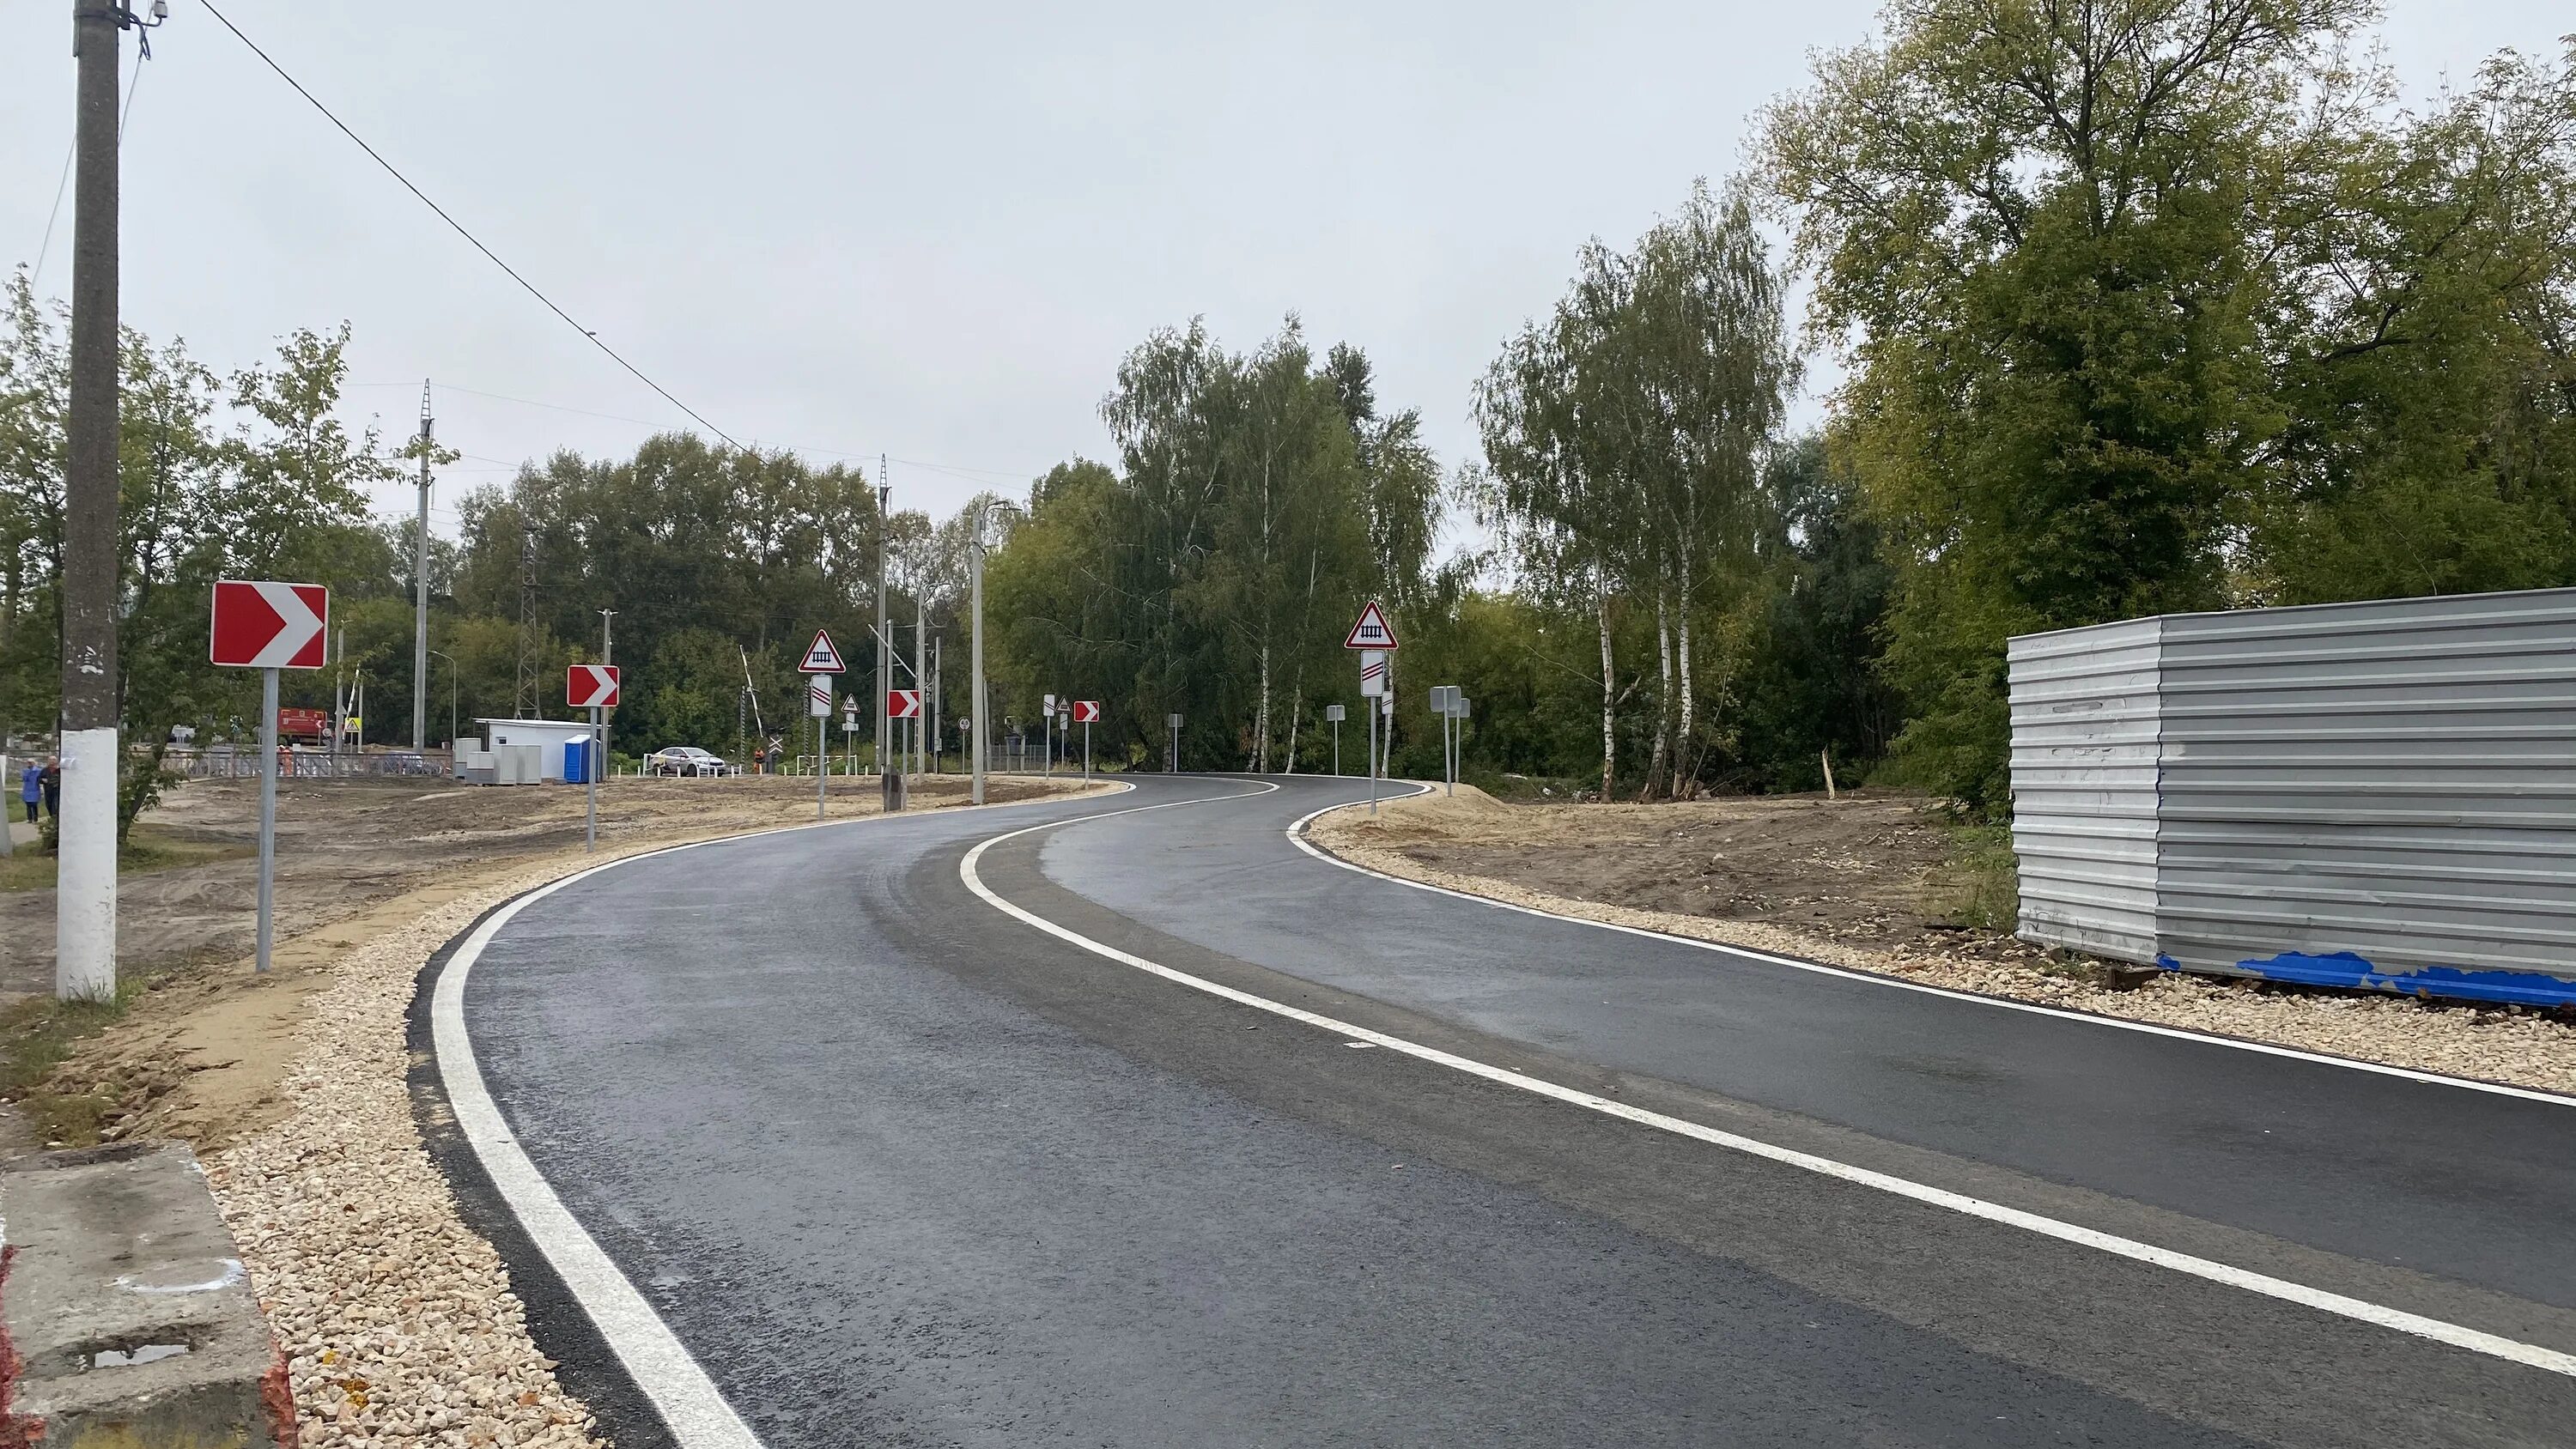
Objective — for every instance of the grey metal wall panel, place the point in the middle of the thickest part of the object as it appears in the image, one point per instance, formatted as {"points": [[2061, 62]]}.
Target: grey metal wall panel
{"points": [[2380, 793], [2084, 770]]}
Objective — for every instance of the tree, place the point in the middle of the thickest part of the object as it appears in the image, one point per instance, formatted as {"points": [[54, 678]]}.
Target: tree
{"points": [[2077, 253]]}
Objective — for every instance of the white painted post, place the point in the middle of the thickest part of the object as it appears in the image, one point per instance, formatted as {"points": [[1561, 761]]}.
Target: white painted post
{"points": [[590, 775]]}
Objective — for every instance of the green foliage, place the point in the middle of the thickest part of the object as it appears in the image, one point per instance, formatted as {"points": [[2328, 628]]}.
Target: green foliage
{"points": [[252, 478], [1261, 500], [2157, 306]]}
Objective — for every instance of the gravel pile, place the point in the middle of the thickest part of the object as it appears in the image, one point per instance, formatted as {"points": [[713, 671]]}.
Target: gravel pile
{"points": [[2495, 1044]]}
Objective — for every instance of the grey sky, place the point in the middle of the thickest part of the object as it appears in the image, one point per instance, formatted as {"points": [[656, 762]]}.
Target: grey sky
{"points": [[930, 233]]}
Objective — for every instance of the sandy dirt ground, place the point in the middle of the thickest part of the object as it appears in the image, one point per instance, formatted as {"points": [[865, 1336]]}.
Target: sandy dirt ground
{"points": [[1842, 882], [1854, 869], [200, 1053]]}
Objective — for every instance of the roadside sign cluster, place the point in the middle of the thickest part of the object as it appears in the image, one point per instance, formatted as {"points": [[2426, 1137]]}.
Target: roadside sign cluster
{"points": [[822, 666], [1449, 702], [1374, 637]]}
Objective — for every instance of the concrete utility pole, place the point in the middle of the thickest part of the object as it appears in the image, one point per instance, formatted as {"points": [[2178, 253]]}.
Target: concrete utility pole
{"points": [[920, 683], [85, 898], [932, 705], [420, 589], [885, 636], [976, 727]]}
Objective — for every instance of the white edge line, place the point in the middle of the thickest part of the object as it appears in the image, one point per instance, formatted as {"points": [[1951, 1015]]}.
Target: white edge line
{"points": [[691, 1406], [1297, 837], [2453, 1334]]}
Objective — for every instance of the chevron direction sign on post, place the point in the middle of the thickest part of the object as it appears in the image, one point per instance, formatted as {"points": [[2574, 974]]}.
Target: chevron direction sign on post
{"points": [[269, 625], [589, 686]]}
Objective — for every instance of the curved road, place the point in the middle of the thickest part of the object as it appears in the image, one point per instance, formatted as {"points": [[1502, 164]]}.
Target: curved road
{"points": [[896, 1166]]}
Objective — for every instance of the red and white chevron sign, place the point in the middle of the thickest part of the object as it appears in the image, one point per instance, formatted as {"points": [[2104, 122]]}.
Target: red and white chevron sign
{"points": [[269, 625], [1086, 711], [903, 704], [588, 686]]}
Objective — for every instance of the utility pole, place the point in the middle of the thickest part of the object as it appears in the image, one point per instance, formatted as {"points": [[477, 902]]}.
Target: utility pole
{"points": [[976, 725], [525, 698], [85, 901], [885, 637], [920, 660], [420, 589], [932, 704]]}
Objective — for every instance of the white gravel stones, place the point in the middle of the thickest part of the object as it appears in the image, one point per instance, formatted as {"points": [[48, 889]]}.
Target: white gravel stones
{"points": [[397, 1320], [2491, 1044]]}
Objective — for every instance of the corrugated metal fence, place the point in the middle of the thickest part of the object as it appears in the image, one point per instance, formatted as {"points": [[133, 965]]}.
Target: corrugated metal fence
{"points": [[2378, 794]]}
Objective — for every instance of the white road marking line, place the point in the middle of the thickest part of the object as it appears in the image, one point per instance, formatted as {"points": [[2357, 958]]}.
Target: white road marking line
{"points": [[2453, 1334], [1297, 837], [691, 1406]]}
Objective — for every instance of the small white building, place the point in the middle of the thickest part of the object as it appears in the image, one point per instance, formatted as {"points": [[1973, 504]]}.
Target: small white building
{"points": [[521, 751]]}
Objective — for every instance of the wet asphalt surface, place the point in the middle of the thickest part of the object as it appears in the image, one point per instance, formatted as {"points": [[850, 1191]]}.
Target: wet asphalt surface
{"points": [[900, 1169]]}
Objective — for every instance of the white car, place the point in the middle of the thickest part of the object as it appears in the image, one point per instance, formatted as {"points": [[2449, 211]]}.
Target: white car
{"points": [[684, 760]]}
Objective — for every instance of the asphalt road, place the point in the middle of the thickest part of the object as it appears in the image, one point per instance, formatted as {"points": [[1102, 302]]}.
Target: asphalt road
{"points": [[898, 1168]]}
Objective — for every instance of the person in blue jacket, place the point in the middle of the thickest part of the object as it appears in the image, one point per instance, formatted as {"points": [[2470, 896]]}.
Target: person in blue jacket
{"points": [[31, 788]]}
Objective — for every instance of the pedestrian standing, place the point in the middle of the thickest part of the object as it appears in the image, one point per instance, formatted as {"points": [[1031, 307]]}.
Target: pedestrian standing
{"points": [[53, 787], [31, 788]]}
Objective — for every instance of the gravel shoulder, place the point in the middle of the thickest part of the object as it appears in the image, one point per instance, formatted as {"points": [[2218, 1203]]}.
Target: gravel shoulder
{"points": [[1843, 883], [397, 1320]]}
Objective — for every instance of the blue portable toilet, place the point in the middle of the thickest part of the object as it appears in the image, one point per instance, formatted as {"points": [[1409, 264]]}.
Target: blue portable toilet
{"points": [[576, 762]]}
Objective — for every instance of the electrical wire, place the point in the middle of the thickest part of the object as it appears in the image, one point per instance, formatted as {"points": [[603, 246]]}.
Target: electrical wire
{"points": [[63, 183], [460, 230], [971, 475]]}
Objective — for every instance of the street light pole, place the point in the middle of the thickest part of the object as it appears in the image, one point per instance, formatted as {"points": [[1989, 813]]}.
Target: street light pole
{"points": [[451, 704]]}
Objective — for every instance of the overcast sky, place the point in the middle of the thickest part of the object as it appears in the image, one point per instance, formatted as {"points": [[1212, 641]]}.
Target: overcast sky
{"points": [[929, 233]]}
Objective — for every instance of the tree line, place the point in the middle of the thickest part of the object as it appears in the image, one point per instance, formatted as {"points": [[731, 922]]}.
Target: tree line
{"points": [[2141, 305]]}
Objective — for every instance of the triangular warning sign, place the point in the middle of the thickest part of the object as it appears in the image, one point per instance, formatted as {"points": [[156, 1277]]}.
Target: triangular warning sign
{"points": [[821, 656], [1372, 631]]}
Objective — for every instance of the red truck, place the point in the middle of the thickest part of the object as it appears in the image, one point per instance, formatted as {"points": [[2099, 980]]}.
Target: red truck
{"points": [[303, 726]]}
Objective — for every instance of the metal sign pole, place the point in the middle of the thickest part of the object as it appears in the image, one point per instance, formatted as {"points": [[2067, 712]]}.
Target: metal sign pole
{"points": [[822, 777], [1086, 752], [1372, 760], [590, 774], [267, 814]]}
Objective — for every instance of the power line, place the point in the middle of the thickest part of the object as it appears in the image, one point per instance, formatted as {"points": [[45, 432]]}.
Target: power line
{"points": [[63, 182], [955, 469], [460, 230]]}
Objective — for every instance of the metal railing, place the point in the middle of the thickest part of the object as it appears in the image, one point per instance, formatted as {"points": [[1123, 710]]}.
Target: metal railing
{"points": [[222, 762]]}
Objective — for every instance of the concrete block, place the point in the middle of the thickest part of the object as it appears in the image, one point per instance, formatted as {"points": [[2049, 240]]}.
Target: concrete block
{"points": [[129, 1322]]}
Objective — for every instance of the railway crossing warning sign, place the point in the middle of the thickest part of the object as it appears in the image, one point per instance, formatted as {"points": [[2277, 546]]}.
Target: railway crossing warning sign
{"points": [[818, 696], [1372, 672], [1372, 631], [822, 656], [588, 686]]}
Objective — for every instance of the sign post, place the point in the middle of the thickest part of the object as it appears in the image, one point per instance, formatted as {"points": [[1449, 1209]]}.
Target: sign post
{"points": [[821, 663], [819, 694], [1333, 713], [268, 627], [593, 686], [1172, 753], [1086, 712], [1374, 637]]}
